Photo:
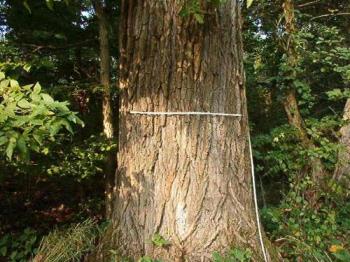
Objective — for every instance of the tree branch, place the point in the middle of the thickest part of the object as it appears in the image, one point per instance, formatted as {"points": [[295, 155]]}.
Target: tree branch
{"points": [[52, 47]]}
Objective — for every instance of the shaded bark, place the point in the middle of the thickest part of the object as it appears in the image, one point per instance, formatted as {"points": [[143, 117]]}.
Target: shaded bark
{"points": [[342, 170], [186, 178], [107, 114], [290, 101]]}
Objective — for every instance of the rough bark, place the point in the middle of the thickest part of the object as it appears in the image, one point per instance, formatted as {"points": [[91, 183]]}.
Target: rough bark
{"points": [[107, 114], [186, 178], [290, 101]]}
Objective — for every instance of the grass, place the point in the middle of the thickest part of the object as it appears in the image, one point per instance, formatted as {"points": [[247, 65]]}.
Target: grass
{"points": [[69, 244]]}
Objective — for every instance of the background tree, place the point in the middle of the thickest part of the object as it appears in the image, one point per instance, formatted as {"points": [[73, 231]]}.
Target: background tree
{"points": [[62, 183], [101, 9], [283, 160]]}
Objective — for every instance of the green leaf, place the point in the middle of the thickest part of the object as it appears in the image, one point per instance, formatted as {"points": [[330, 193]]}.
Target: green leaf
{"points": [[217, 257], [10, 147], [60, 36], [249, 3], [2, 75], [4, 240], [38, 138], [27, 87], [3, 251], [37, 88], [22, 147], [14, 255], [55, 128], [14, 83], [159, 241], [37, 122], [23, 103], [199, 18], [47, 98], [49, 4], [27, 67], [145, 259], [183, 12], [66, 124], [35, 98], [4, 83], [342, 255], [45, 151], [26, 5], [3, 140]]}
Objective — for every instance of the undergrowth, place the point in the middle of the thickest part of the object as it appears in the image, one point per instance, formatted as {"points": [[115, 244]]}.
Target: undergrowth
{"points": [[68, 245], [308, 231]]}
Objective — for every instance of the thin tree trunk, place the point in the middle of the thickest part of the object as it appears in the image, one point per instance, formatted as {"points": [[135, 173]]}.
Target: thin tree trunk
{"points": [[108, 128], [342, 169], [290, 102], [262, 190], [185, 178], [343, 166]]}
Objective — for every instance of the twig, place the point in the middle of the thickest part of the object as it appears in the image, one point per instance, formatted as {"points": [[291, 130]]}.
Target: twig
{"points": [[308, 4], [327, 15]]}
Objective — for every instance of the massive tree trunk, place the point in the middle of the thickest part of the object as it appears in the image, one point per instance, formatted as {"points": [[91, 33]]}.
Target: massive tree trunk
{"points": [[185, 178], [107, 114]]}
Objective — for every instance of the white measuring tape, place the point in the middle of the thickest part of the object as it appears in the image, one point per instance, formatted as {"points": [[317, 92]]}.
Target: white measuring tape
{"points": [[182, 113], [256, 200], [251, 159]]}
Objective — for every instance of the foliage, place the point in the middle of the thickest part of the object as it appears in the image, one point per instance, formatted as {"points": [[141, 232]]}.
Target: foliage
{"points": [[280, 151], [194, 8], [29, 118], [309, 231], [234, 255], [68, 245], [19, 248], [10, 60], [148, 259], [82, 160], [160, 241], [304, 228]]}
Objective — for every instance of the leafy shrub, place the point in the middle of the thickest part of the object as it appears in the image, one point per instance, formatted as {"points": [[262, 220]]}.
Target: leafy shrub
{"points": [[19, 248], [82, 160], [280, 151], [29, 118], [308, 231]]}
